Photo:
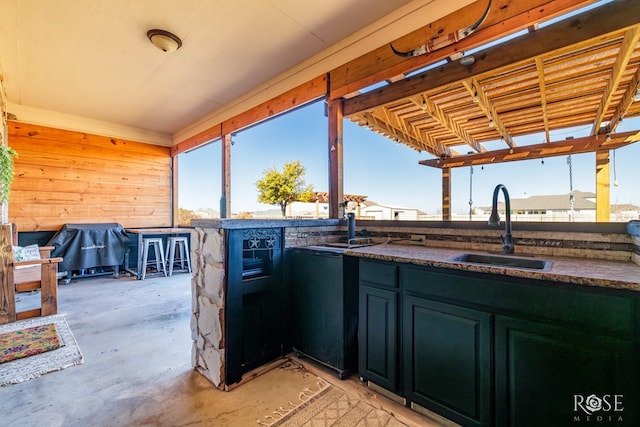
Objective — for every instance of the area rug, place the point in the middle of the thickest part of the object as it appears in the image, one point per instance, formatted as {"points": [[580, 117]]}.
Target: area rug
{"points": [[68, 354], [327, 405], [28, 342]]}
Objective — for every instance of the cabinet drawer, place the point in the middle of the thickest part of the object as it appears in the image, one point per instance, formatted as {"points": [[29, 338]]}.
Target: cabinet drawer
{"points": [[379, 274]]}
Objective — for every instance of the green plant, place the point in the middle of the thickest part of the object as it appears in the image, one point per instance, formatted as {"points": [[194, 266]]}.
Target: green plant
{"points": [[6, 171]]}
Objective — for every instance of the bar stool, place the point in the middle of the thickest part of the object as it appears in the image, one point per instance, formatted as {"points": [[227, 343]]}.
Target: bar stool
{"points": [[182, 243], [156, 243]]}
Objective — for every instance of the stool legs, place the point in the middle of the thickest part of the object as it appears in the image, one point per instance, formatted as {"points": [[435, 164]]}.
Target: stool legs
{"points": [[183, 248], [159, 255]]}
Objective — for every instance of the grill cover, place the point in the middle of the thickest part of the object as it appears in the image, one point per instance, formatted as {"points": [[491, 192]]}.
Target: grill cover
{"points": [[89, 245]]}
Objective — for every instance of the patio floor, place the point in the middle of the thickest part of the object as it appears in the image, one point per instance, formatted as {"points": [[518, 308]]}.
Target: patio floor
{"points": [[136, 341]]}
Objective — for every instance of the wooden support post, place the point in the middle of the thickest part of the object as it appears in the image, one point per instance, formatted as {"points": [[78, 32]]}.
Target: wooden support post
{"points": [[603, 198], [336, 178], [7, 289], [446, 194], [174, 192], [225, 198]]}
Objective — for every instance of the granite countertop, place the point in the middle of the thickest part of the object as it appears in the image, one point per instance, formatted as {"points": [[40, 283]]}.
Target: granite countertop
{"points": [[578, 271]]}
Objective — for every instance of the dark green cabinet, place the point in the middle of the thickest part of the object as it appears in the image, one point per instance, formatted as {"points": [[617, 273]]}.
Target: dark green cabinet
{"points": [[545, 373], [447, 359], [324, 307], [485, 350], [378, 325], [255, 295], [378, 336]]}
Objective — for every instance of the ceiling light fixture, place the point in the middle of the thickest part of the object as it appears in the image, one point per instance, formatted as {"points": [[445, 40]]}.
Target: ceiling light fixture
{"points": [[637, 95], [164, 40]]}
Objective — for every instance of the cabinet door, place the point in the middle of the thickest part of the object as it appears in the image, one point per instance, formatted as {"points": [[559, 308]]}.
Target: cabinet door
{"points": [[377, 336], [317, 308], [545, 375], [447, 359]]}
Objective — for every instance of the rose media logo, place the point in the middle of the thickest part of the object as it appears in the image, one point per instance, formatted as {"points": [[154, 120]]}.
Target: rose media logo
{"points": [[593, 408]]}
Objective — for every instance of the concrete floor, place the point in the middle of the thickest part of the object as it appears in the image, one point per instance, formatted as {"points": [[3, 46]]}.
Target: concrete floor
{"points": [[136, 342]]}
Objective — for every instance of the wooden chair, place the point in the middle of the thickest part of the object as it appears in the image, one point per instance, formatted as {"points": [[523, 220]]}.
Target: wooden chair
{"points": [[22, 276]]}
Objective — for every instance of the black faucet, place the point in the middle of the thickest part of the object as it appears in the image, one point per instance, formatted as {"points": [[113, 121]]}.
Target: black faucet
{"points": [[494, 219]]}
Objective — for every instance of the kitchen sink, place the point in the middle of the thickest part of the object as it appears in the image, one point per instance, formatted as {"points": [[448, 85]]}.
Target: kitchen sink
{"points": [[503, 261]]}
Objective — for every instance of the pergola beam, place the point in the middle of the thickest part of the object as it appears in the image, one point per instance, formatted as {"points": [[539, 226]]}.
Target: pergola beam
{"points": [[446, 121], [504, 18], [589, 25], [619, 66], [475, 90], [543, 96], [626, 101], [603, 186], [587, 144], [398, 131]]}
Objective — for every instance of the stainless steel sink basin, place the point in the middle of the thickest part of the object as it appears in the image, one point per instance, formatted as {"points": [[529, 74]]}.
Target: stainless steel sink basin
{"points": [[504, 261]]}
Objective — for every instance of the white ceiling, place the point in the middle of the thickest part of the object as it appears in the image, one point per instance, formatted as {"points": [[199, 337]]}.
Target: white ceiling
{"points": [[91, 58]]}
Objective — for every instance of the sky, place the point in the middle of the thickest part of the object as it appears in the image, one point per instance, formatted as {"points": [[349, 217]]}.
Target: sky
{"points": [[388, 172]]}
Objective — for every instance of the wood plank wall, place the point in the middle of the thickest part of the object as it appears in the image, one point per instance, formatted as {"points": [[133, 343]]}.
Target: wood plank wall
{"points": [[65, 177]]}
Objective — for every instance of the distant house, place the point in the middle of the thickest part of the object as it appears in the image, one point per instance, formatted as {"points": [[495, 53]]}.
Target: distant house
{"points": [[373, 210], [558, 207], [584, 203]]}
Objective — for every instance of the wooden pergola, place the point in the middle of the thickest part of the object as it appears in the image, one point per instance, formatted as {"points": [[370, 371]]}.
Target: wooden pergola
{"points": [[582, 71]]}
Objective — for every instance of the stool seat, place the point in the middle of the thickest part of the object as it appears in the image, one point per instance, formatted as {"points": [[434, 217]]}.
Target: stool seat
{"points": [[158, 251], [182, 243]]}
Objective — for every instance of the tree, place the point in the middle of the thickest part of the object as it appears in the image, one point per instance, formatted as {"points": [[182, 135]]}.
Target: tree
{"points": [[185, 216], [282, 188]]}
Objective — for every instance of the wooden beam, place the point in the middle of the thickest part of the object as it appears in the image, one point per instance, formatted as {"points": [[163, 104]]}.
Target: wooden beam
{"points": [[225, 197], [446, 194], [175, 199], [506, 17], [543, 97], [475, 90], [447, 122], [629, 43], [396, 128], [300, 95], [197, 140], [603, 197], [587, 144], [606, 19], [336, 162], [626, 101]]}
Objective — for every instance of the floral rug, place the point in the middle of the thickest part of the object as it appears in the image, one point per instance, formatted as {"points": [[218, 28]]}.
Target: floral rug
{"points": [[28, 342], [67, 354]]}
